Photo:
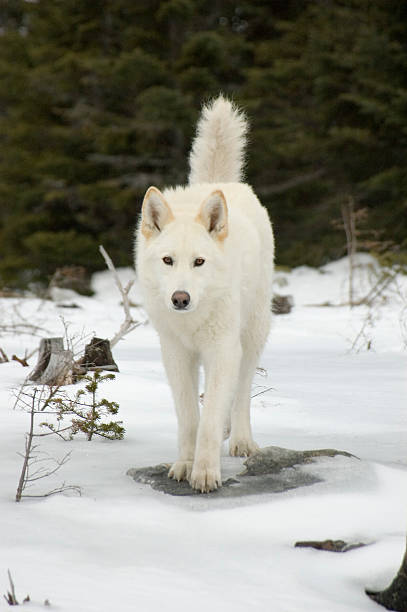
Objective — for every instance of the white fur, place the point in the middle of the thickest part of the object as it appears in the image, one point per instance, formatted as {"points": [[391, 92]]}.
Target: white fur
{"points": [[217, 153], [226, 323]]}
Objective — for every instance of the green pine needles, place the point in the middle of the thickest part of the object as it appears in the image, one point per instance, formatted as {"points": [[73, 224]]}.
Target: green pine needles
{"points": [[89, 413]]}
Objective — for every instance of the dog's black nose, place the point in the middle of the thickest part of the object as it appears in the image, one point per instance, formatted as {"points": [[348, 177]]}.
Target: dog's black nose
{"points": [[180, 299]]}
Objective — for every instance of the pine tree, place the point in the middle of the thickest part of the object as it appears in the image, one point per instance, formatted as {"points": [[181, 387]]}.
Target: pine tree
{"points": [[330, 111], [98, 100]]}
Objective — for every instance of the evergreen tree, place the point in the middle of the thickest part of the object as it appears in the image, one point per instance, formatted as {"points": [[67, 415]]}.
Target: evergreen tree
{"points": [[330, 110], [98, 100]]}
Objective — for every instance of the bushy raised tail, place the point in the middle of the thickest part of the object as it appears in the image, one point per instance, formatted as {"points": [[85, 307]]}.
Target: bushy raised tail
{"points": [[217, 154]]}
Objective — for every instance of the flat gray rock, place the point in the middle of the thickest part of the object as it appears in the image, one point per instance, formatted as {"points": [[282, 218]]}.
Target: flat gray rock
{"points": [[271, 470], [272, 459]]}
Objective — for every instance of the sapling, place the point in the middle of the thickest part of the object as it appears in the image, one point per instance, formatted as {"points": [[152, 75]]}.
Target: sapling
{"points": [[89, 410], [86, 411], [37, 464]]}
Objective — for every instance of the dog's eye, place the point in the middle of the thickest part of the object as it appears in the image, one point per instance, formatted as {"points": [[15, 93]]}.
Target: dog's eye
{"points": [[199, 261], [168, 260]]}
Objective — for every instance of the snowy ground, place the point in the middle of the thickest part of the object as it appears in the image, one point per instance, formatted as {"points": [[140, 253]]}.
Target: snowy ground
{"points": [[122, 546]]}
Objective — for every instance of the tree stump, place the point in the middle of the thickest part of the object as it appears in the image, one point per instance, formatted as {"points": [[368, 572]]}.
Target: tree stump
{"points": [[72, 277], [55, 364], [282, 304], [98, 356]]}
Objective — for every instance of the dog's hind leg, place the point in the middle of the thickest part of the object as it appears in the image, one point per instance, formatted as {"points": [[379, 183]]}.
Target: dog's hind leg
{"points": [[182, 368], [241, 443]]}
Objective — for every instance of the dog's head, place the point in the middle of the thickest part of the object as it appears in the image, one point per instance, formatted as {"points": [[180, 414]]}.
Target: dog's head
{"points": [[184, 252]]}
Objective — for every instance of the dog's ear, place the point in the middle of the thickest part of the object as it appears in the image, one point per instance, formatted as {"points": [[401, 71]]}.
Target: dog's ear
{"points": [[213, 214], [155, 213]]}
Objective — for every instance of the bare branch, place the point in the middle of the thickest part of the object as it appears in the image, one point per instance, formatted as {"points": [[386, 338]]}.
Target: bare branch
{"points": [[28, 356], [33, 458], [54, 432], [23, 360], [262, 391], [25, 327], [45, 473], [28, 445], [60, 489], [384, 281], [129, 324]]}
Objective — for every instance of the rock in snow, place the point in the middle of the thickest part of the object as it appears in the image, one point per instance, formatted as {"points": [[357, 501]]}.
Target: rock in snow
{"points": [[271, 470]]}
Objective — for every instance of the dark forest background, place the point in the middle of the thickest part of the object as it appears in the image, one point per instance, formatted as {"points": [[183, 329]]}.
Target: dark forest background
{"points": [[98, 100]]}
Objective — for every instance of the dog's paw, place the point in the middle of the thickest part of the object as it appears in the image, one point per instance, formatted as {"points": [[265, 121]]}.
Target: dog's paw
{"points": [[205, 479], [242, 447], [180, 470]]}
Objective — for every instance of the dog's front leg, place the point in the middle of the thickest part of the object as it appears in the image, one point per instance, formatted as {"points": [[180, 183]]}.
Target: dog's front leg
{"points": [[182, 370], [221, 365]]}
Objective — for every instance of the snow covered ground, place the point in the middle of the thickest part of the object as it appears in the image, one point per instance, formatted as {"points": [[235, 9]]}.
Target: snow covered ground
{"points": [[122, 546]]}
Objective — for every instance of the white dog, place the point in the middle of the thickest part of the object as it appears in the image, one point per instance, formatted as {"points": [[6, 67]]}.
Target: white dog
{"points": [[204, 262]]}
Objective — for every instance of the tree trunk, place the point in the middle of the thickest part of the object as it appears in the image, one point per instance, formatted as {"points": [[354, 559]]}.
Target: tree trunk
{"points": [[349, 223]]}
